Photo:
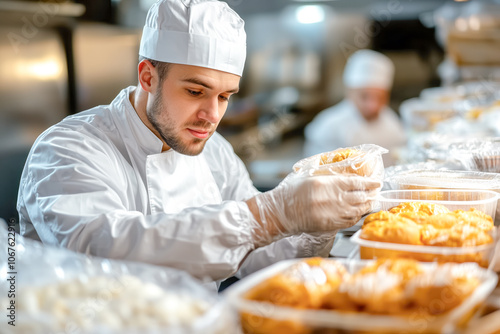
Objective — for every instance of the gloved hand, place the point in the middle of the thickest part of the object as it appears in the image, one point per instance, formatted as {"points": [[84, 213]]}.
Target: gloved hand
{"points": [[311, 204]]}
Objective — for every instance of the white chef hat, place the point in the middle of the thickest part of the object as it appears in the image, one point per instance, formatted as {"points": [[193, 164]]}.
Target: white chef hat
{"points": [[204, 33], [367, 68]]}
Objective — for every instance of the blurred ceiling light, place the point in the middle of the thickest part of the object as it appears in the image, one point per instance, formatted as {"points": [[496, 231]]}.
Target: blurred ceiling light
{"points": [[41, 70], [474, 22], [461, 24], [310, 14]]}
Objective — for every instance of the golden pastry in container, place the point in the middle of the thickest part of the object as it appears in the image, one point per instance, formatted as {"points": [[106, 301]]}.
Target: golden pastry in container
{"points": [[428, 232], [383, 296], [421, 208], [346, 161], [419, 178], [302, 286], [442, 289], [363, 160]]}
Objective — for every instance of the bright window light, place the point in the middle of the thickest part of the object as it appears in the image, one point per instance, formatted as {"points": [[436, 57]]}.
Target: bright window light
{"points": [[310, 14]]}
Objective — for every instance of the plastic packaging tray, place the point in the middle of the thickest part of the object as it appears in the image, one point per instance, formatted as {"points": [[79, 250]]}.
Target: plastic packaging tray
{"points": [[302, 321], [453, 199], [72, 307], [480, 155], [445, 179], [369, 249], [421, 115]]}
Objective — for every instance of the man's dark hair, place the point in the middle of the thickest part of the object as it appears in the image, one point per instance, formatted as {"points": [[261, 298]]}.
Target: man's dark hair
{"points": [[161, 66]]}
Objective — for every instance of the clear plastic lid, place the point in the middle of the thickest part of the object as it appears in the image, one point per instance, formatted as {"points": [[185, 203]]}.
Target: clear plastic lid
{"points": [[443, 179], [479, 154], [422, 115]]}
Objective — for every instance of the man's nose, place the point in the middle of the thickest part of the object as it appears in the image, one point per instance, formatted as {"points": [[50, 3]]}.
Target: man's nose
{"points": [[210, 110]]}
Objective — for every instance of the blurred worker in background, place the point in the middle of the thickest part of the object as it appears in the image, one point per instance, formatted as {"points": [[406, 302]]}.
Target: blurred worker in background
{"points": [[363, 117]]}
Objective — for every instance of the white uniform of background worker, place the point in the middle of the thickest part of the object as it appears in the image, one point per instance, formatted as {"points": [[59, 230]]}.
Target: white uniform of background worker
{"points": [[148, 179], [363, 117]]}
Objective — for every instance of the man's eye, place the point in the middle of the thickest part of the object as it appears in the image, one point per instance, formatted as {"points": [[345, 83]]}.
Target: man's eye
{"points": [[193, 92], [224, 98]]}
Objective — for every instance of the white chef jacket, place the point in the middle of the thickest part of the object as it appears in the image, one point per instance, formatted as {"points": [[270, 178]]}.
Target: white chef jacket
{"points": [[343, 126], [99, 183]]}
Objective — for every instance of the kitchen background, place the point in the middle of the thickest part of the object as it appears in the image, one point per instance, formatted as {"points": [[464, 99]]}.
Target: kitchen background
{"points": [[61, 57]]}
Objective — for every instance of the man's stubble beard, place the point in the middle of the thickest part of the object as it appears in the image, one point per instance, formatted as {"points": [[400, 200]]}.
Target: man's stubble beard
{"points": [[167, 131]]}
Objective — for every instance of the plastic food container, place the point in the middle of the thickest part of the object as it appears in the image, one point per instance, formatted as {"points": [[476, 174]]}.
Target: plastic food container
{"points": [[471, 90], [363, 160], [61, 291], [482, 154], [307, 321], [445, 179], [422, 115], [453, 199], [369, 249]]}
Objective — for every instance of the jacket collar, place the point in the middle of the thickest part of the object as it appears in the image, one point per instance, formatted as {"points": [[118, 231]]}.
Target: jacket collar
{"points": [[139, 132]]}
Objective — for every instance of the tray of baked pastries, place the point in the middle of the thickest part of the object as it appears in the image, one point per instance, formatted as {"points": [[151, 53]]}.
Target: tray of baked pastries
{"points": [[431, 225], [317, 295]]}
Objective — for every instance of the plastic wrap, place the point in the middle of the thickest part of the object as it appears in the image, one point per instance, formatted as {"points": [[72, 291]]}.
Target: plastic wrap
{"points": [[420, 115], [482, 154], [264, 317], [465, 151], [460, 127], [58, 291], [491, 120], [465, 91], [472, 108], [363, 160]]}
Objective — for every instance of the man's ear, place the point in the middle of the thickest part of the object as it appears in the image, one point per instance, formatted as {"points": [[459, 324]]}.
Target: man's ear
{"points": [[148, 76]]}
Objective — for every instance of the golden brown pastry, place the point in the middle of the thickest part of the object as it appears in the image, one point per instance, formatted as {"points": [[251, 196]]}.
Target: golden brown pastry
{"points": [[428, 224], [302, 285], [378, 288], [423, 208], [397, 230], [459, 235], [422, 223], [338, 155], [356, 162], [440, 290], [406, 267], [387, 286]]}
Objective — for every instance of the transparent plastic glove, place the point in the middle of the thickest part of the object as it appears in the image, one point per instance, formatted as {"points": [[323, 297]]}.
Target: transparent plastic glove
{"points": [[323, 203]]}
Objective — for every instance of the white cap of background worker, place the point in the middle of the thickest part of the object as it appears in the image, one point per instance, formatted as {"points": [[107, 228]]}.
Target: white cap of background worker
{"points": [[368, 68]]}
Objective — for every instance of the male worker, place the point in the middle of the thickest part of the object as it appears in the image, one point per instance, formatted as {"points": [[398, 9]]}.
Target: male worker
{"points": [[363, 117], [148, 179]]}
